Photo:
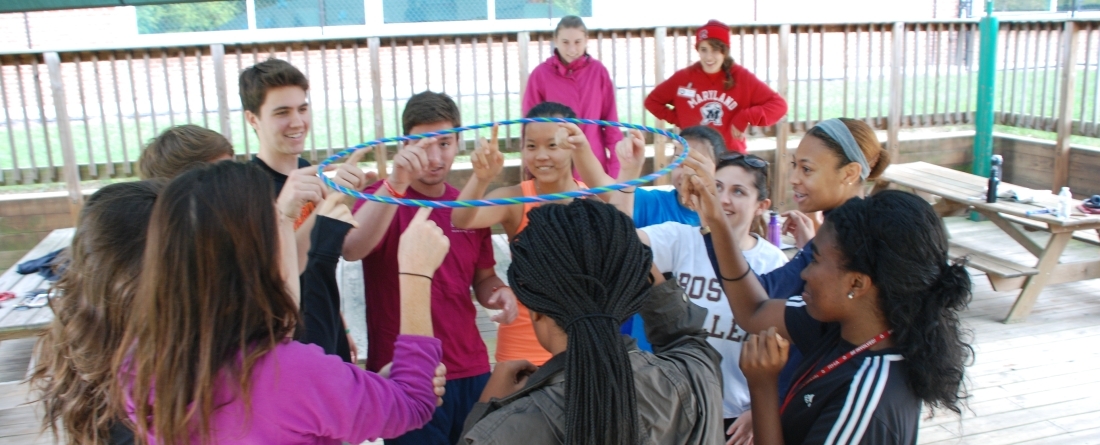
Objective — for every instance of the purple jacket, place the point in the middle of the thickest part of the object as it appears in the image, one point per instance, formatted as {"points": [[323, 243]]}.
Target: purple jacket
{"points": [[584, 86], [302, 396]]}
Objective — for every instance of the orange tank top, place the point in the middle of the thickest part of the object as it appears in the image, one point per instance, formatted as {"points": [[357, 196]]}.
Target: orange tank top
{"points": [[517, 341]]}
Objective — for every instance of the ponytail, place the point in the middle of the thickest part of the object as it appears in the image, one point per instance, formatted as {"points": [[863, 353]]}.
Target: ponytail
{"points": [[727, 67], [897, 239], [583, 266]]}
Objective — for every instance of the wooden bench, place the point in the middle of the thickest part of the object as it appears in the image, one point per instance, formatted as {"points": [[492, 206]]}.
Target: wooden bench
{"points": [[19, 323], [999, 270]]}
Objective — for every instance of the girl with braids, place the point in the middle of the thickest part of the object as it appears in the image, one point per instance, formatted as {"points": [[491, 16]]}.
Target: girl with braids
{"points": [[73, 357], [742, 188], [581, 270], [716, 91], [549, 162], [211, 331], [877, 322]]}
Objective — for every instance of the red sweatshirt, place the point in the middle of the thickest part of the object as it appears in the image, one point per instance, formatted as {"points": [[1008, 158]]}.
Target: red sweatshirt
{"points": [[692, 97]]}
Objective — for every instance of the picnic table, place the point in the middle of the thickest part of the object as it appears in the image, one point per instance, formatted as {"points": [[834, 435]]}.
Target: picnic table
{"points": [[18, 322], [962, 191]]}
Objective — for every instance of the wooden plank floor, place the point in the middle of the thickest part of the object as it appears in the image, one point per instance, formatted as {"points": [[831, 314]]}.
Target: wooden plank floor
{"points": [[1034, 382]]}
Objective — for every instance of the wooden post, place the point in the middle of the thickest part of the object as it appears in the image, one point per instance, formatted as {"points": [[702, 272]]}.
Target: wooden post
{"points": [[893, 119], [65, 134], [376, 104], [781, 200], [217, 53], [523, 39], [1065, 107], [659, 158]]}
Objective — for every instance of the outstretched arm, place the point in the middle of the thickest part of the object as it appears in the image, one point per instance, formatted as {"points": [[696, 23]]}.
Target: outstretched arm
{"points": [[375, 217], [631, 153], [747, 298], [488, 162]]}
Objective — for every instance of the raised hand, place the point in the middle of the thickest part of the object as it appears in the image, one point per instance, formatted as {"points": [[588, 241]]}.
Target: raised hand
{"points": [[334, 207], [763, 356], [800, 226], [700, 192], [351, 176], [631, 153], [408, 163], [570, 137], [422, 246], [302, 187], [487, 159]]}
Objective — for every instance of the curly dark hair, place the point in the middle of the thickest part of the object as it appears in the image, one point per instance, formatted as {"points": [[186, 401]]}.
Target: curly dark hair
{"points": [[897, 239]]}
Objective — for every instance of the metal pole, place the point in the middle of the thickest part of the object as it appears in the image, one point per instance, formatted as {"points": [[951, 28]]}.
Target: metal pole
{"points": [[987, 71]]}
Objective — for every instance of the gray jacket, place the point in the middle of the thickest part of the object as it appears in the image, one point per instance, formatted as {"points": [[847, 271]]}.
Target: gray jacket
{"points": [[679, 389]]}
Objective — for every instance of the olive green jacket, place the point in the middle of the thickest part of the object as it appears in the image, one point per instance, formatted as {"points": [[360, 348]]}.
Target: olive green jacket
{"points": [[679, 388]]}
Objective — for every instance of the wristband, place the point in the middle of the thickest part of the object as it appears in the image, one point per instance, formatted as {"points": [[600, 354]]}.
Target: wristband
{"points": [[496, 288], [393, 192], [415, 275]]}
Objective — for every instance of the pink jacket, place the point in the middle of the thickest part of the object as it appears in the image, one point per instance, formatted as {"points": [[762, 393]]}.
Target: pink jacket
{"points": [[585, 86]]}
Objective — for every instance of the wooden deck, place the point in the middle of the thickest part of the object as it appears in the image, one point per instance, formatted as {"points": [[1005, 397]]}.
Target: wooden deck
{"points": [[1034, 382]]}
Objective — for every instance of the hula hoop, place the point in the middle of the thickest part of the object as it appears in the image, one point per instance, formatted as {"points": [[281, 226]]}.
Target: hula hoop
{"points": [[502, 201]]}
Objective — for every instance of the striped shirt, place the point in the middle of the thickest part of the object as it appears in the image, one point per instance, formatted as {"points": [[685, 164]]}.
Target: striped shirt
{"points": [[866, 400]]}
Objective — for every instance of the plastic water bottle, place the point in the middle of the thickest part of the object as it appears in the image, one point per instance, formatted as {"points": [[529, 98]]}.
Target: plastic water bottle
{"points": [[994, 178], [1065, 203], [773, 230]]}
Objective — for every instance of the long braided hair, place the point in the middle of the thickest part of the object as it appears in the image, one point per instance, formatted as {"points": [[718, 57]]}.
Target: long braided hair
{"points": [[582, 265]]}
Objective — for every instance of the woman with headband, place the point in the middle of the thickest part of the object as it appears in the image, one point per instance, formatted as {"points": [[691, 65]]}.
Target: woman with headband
{"points": [[878, 323], [831, 165]]}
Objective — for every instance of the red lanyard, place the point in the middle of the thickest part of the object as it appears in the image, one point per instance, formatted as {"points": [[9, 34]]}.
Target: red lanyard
{"points": [[800, 384]]}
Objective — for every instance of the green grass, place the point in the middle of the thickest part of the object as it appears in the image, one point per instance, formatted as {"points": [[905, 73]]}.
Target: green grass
{"points": [[341, 127]]}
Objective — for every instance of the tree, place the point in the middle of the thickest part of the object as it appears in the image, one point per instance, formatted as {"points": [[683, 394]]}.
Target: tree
{"points": [[190, 17]]}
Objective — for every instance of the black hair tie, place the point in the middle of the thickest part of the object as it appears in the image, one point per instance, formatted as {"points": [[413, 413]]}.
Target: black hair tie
{"points": [[582, 317]]}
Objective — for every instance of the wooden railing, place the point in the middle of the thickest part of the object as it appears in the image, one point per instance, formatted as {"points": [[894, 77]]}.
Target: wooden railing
{"points": [[94, 110]]}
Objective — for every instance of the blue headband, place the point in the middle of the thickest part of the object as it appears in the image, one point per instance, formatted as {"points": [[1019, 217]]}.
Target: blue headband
{"points": [[842, 135]]}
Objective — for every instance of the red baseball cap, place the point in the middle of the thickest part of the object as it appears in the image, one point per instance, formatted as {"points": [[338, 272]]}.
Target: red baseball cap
{"points": [[713, 30]]}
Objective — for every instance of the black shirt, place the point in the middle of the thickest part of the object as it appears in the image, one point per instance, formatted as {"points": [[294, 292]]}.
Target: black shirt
{"points": [[278, 178], [866, 400], [321, 323]]}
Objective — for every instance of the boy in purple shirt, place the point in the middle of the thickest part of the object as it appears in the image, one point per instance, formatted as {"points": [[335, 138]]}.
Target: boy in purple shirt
{"points": [[420, 171]]}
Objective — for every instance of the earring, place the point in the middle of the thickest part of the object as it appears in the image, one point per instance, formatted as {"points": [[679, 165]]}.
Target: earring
{"points": [[851, 295]]}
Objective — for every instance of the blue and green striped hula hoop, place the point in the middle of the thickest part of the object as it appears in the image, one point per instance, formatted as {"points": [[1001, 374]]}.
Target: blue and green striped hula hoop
{"points": [[502, 201]]}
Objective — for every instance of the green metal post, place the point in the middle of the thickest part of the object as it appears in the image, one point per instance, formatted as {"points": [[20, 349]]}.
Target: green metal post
{"points": [[987, 79]]}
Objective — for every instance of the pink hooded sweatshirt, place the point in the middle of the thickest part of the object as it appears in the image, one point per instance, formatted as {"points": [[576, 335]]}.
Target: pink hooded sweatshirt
{"points": [[585, 86], [302, 396]]}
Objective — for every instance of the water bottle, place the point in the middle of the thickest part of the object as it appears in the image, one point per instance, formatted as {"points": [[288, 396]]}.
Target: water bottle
{"points": [[1065, 203], [994, 178], [773, 230]]}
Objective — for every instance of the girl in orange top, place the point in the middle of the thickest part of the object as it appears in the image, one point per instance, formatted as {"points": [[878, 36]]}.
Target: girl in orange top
{"points": [[548, 157]]}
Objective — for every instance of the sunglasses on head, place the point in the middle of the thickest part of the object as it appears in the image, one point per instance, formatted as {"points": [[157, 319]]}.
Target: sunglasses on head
{"points": [[753, 161]]}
